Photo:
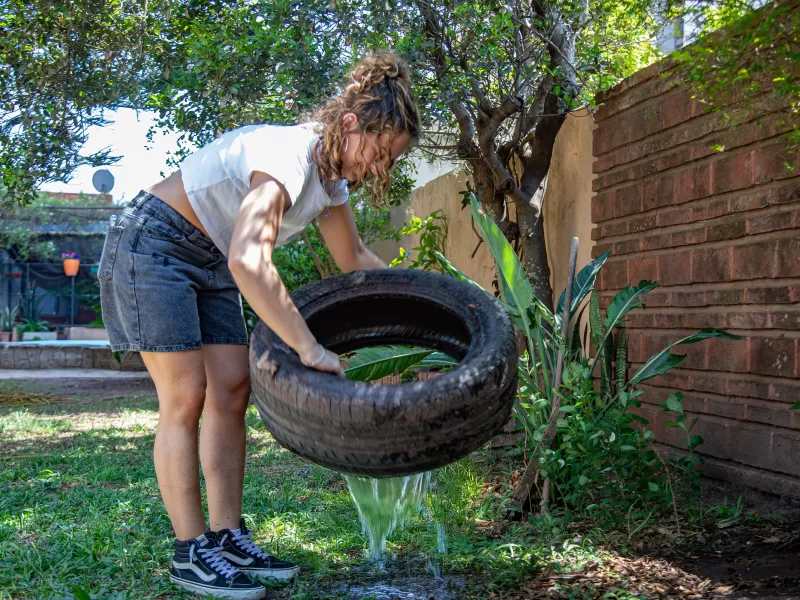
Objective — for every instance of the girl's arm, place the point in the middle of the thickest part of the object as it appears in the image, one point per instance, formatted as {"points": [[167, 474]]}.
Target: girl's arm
{"points": [[344, 243], [250, 262]]}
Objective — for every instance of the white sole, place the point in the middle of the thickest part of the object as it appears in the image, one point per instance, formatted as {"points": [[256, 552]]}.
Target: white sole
{"points": [[206, 590], [273, 573]]}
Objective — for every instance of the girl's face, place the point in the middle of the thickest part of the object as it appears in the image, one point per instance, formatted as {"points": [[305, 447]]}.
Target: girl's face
{"points": [[370, 155]]}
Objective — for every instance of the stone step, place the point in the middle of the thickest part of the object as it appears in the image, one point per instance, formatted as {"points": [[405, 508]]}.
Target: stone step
{"points": [[83, 354]]}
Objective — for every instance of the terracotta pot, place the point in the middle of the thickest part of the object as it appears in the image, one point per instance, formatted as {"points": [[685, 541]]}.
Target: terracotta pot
{"points": [[5, 336], [71, 266]]}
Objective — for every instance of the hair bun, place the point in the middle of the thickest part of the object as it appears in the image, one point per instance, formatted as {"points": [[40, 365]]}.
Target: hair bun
{"points": [[372, 70]]}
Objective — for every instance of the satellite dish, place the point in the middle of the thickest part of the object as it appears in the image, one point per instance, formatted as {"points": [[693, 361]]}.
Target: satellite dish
{"points": [[103, 181]]}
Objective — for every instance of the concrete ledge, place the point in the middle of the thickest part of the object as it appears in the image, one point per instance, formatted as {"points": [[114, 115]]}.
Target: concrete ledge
{"points": [[66, 355]]}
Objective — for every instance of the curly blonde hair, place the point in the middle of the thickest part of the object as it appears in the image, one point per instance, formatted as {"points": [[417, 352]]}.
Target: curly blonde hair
{"points": [[378, 92]]}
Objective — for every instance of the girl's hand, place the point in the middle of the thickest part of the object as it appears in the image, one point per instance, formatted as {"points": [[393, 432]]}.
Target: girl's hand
{"points": [[331, 364], [323, 360]]}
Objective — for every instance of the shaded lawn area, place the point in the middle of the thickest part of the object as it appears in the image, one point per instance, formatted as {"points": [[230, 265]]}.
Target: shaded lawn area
{"points": [[80, 513]]}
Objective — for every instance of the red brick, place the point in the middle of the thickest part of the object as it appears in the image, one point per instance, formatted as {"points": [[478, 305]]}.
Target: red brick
{"points": [[772, 356], [732, 229], [643, 268], [785, 392], [753, 261], [643, 169], [711, 210], [703, 320], [667, 321], [732, 173], [751, 200], [674, 158], [674, 217], [597, 184], [724, 297], [643, 122], [786, 193], [768, 295], [658, 299], [612, 229], [709, 383], [727, 355], [751, 445], [603, 207], [641, 319], [710, 265], [615, 275], [784, 452], [628, 200], [750, 388], [658, 191], [794, 290], [728, 408], [689, 236], [688, 299], [788, 263], [675, 109], [642, 224], [692, 183], [769, 222], [658, 241], [675, 269], [635, 347], [786, 320], [696, 354], [596, 234], [771, 163], [599, 249], [628, 246], [748, 320], [615, 177]]}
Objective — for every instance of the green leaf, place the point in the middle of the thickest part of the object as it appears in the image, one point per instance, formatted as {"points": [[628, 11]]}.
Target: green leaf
{"points": [[663, 361], [583, 480], [795, 406], [653, 486], [516, 288], [621, 360], [673, 402], [626, 300], [695, 442], [369, 364], [581, 286], [80, 593]]}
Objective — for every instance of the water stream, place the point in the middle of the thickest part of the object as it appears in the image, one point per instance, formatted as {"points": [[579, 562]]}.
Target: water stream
{"points": [[383, 506]]}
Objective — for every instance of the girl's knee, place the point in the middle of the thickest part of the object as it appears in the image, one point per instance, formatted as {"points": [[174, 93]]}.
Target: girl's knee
{"points": [[183, 405]]}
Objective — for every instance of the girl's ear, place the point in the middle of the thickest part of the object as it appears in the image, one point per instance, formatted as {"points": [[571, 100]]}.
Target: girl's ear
{"points": [[350, 122]]}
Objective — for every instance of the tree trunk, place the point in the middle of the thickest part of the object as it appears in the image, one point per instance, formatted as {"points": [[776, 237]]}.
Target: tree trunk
{"points": [[534, 251]]}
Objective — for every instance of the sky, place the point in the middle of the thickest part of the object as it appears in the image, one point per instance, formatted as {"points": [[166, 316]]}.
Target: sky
{"points": [[142, 162]]}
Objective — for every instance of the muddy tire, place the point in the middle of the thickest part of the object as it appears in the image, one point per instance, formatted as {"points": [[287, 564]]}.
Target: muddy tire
{"points": [[389, 430]]}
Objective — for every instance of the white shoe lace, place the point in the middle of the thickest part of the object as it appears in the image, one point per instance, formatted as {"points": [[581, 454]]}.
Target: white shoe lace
{"points": [[245, 542], [213, 558]]}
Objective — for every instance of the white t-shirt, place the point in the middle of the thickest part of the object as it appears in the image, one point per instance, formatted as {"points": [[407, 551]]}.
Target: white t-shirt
{"points": [[217, 177]]}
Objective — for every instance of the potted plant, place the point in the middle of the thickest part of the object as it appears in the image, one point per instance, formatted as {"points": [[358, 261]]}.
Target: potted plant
{"points": [[31, 330], [72, 262], [8, 316]]}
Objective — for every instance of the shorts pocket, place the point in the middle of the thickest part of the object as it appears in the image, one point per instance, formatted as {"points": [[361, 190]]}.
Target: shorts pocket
{"points": [[109, 254], [159, 230]]}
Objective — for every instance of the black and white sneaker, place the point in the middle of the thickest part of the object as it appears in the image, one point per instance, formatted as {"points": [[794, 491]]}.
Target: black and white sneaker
{"points": [[239, 549], [198, 566]]}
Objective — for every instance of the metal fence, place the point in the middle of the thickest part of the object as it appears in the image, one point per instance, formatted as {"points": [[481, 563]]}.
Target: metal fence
{"points": [[43, 292]]}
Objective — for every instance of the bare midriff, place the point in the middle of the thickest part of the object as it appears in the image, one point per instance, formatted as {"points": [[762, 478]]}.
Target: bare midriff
{"points": [[171, 191]]}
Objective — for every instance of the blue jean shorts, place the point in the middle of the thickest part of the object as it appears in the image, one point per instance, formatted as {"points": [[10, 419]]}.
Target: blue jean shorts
{"points": [[164, 285]]}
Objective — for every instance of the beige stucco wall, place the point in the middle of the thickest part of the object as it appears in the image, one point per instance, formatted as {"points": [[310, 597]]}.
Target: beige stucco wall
{"points": [[567, 205], [566, 208]]}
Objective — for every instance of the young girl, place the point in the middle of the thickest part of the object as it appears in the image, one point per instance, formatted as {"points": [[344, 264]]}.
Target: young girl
{"points": [[171, 273]]}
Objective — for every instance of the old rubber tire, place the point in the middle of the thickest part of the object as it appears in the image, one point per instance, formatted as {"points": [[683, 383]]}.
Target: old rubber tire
{"points": [[389, 430]]}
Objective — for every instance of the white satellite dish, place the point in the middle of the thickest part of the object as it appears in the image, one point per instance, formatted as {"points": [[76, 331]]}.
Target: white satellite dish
{"points": [[103, 181]]}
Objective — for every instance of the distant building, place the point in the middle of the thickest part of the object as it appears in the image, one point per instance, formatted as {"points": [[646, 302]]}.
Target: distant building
{"points": [[79, 198]]}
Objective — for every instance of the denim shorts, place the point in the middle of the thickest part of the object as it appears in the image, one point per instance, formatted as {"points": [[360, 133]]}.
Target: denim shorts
{"points": [[164, 285]]}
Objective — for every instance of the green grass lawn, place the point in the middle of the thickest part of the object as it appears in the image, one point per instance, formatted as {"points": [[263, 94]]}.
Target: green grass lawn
{"points": [[80, 513]]}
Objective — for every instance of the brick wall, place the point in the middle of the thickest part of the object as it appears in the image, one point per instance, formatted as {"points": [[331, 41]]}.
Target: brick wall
{"points": [[721, 232]]}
